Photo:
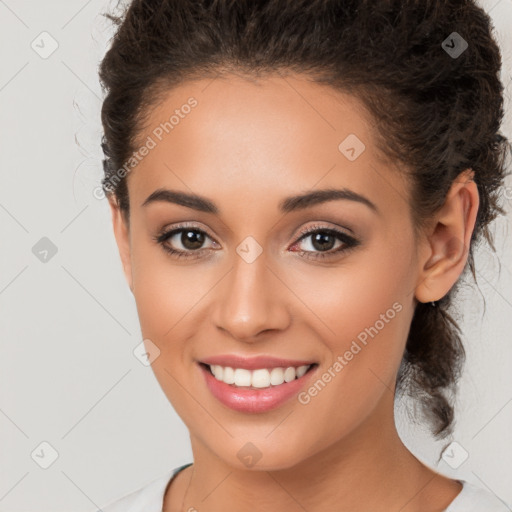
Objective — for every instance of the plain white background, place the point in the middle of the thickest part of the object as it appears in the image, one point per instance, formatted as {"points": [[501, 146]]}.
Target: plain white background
{"points": [[68, 325]]}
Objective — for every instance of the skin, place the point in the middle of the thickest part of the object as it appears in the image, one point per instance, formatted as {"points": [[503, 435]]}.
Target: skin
{"points": [[246, 146]]}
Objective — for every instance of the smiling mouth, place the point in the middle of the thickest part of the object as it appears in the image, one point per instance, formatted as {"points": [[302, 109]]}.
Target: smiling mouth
{"points": [[259, 378]]}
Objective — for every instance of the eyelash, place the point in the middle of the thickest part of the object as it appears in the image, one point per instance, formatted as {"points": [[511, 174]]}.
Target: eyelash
{"points": [[348, 241]]}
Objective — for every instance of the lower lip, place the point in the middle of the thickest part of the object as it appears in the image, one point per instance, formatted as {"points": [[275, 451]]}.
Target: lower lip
{"points": [[253, 400]]}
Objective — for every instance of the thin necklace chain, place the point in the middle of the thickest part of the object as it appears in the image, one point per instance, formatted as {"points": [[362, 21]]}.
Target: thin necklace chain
{"points": [[188, 486]]}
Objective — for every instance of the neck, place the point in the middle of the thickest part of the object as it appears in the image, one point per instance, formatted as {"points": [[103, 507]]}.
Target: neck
{"points": [[369, 469]]}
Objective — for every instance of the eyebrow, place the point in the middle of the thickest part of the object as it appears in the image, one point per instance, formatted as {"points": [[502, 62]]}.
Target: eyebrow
{"points": [[289, 204]]}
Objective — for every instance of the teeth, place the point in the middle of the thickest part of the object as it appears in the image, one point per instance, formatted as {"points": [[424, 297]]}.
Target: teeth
{"points": [[261, 378], [301, 370]]}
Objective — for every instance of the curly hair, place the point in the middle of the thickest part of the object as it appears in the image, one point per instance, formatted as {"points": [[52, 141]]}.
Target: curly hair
{"points": [[435, 113]]}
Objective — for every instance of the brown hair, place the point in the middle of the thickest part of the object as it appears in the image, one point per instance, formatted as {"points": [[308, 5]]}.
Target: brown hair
{"points": [[435, 113]]}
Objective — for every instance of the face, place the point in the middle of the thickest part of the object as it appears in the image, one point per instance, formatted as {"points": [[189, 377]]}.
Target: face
{"points": [[250, 272]]}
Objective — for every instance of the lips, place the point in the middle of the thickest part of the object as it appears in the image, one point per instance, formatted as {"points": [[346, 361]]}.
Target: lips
{"points": [[254, 363], [253, 400]]}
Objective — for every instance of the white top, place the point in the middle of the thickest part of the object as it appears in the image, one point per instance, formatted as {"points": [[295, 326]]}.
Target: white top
{"points": [[150, 497]]}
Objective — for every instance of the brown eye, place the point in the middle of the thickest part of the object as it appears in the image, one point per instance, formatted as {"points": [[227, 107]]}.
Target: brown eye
{"points": [[184, 242], [321, 243], [192, 239]]}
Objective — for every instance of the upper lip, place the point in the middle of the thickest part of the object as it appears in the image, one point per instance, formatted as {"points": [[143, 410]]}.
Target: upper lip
{"points": [[253, 363]]}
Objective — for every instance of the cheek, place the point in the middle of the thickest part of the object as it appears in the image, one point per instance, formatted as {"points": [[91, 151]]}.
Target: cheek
{"points": [[168, 295], [362, 313], [370, 289]]}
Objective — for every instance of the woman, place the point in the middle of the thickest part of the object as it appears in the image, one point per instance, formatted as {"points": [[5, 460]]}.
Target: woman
{"points": [[296, 189]]}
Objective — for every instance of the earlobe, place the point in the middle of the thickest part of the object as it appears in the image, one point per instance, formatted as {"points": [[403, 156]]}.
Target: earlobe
{"points": [[449, 241], [122, 236]]}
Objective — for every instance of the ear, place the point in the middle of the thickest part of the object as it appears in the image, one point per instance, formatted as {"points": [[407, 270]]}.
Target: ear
{"points": [[447, 244], [122, 235]]}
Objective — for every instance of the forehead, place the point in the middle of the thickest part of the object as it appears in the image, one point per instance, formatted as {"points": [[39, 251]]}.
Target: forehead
{"points": [[260, 140]]}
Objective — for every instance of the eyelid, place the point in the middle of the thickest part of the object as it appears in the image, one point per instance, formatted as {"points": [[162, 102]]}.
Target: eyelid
{"points": [[168, 230], [336, 229], [323, 225]]}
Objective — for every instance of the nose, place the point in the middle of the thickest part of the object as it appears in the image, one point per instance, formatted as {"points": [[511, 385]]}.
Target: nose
{"points": [[251, 300]]}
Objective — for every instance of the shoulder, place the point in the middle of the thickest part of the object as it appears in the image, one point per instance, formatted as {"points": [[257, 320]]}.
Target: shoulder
{"points": [[148, 498], [475, 499]]}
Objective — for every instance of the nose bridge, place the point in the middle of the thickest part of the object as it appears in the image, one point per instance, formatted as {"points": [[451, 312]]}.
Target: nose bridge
{"points": [[250, 301]]}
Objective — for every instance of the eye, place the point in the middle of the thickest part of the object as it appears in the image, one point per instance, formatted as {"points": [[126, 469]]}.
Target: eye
{"points": [[321, 242], [184, 241]]}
